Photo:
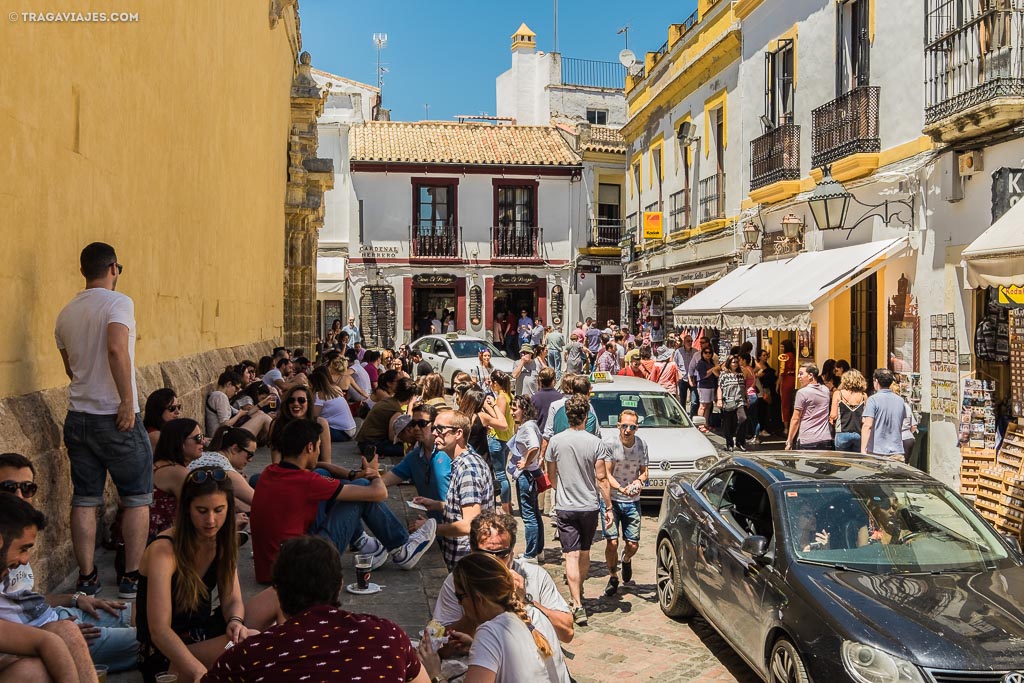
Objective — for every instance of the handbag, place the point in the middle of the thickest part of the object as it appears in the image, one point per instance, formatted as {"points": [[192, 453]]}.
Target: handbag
{"points": [[542, 481]]}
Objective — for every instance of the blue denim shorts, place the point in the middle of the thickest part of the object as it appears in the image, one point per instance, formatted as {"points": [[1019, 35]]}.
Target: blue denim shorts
{"points": [[627, 515], [95, 447]]}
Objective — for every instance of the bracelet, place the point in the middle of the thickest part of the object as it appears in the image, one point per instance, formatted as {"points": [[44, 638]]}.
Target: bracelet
{"points": [[238, 619]]}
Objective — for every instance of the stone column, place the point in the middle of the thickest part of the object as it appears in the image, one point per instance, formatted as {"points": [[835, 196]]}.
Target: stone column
{"points": [[308, 179]]}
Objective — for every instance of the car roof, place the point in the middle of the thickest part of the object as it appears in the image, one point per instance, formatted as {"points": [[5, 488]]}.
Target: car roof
{"points": [[457, 337], [626, 383], [778, 467]]}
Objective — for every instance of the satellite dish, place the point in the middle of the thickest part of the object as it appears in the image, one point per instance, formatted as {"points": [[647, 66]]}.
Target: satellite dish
{"points": [[627, 58]]}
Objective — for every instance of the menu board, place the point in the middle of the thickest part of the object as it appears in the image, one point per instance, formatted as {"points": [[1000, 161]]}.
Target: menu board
{"points": [[377, 316]]}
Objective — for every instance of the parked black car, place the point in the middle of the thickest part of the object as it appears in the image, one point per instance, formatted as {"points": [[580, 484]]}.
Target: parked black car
{"points": [[814, 566]]}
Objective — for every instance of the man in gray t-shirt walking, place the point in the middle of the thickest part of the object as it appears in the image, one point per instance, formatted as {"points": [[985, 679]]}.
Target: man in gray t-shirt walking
{"points": [[881, 431], [578, 469]]}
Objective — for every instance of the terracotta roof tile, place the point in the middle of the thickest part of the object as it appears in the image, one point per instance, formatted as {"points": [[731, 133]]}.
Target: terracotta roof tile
{"points": [[460, 143], [604, 139]]}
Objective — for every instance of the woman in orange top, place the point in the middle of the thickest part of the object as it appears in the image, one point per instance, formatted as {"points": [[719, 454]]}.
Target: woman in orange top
{"points": [[787, 378]]}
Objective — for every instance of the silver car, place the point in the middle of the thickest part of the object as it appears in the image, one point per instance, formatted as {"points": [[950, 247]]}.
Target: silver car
{"points": [[450, 353], [673, 441]]}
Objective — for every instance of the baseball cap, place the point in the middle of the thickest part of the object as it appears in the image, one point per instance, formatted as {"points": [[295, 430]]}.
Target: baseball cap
{"points": [[400, 424]]}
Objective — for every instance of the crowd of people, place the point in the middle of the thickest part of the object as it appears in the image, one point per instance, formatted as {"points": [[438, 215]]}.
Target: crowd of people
{"points": [[186, 503]]}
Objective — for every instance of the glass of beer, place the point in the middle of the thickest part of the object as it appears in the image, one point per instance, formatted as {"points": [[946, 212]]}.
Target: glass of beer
{"points": [[363, 564], [166, 677], [101, 673]]}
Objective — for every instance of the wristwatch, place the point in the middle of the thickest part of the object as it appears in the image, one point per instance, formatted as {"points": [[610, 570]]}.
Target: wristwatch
{"points": [[75, 597]]}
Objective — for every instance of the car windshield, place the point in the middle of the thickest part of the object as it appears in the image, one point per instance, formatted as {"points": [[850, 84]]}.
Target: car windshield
{"points": [[469, 348], [879, 527], [655, 409]]}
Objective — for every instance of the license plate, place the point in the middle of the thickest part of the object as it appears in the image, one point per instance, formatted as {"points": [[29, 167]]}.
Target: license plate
{"points": [[657, 483]]}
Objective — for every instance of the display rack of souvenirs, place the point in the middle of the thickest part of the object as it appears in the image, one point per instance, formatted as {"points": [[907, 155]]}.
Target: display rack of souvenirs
{"points": [[999, 489], [910, 390], [977, 433]]}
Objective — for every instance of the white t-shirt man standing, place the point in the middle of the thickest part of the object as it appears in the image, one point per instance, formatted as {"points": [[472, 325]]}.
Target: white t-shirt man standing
{"points": [[103, 432]]}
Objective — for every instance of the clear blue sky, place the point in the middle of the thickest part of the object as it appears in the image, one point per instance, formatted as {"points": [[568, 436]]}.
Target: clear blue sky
{"points": [[447, 53]]}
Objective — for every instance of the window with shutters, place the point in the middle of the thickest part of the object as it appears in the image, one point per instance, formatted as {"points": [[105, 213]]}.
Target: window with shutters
{"points": [[779, 68]]}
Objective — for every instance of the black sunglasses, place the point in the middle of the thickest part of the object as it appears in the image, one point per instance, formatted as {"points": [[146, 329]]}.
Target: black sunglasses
{"points": [[198, 438], [28, 488], [301, 400], [503, 553], [200, 475], [443, 429], [421, 423], [120, 268], [173, 408], [248, 454]]}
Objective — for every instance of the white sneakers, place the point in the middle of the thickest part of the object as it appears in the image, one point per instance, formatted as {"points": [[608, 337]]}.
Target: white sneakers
{"points": [[419, 542]]}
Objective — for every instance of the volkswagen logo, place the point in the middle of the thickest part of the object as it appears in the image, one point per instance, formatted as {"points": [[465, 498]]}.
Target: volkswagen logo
{"points": [[666, 465], [1013, 677]]}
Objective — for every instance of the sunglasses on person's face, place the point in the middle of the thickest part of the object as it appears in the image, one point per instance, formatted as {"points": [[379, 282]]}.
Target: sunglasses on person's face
{"points": [[198, 438], [27, 488], [629, 428], [421, 423], [502, 553], [301, 400], [173, 408], [120, 268], [443, 430], [200, 475]]}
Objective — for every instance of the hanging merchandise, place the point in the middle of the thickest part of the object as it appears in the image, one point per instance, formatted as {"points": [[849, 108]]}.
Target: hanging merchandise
{"points": [[991, 337], [1016, 342]]}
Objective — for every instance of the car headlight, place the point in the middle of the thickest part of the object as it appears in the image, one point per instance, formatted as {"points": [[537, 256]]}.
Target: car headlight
{"points": [[706, 462], [870, 665]]}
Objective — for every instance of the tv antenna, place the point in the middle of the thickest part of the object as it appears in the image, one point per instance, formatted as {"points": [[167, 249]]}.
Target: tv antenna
{"points": [[381, 41], [624, 31], [426, 112]]}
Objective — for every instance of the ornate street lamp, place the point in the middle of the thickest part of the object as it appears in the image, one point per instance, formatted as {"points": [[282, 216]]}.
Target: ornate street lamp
{"points": [[829, 202], [751, 233], [792, 226]]}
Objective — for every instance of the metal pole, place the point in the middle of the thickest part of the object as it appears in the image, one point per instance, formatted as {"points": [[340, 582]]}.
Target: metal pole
{"points": [[556, 26]]}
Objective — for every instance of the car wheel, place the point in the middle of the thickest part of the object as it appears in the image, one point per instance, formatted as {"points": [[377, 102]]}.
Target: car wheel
{"points": [[785, 664], [671, 596]]}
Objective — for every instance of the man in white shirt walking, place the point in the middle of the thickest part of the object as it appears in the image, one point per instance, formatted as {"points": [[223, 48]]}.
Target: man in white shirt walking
{"points": [[627, 474], [103, 432]]}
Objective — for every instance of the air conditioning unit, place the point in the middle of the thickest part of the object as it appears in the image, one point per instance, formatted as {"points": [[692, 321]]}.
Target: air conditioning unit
{"points": [[970, 163]]}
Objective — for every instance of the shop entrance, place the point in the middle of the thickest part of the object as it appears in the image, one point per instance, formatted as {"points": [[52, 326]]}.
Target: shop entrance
{"points": [[512, 301], [430, 303]]}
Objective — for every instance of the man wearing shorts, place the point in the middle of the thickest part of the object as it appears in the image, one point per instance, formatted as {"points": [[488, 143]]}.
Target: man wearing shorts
{"points": [[103, 432], [577, 467], [627, 474]]}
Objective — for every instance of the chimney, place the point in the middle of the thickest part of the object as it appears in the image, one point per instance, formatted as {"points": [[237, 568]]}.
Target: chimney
{"points": [[524, 40]]}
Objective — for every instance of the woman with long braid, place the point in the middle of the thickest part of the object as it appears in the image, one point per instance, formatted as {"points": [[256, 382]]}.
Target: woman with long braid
{"points": [[512, 644]]}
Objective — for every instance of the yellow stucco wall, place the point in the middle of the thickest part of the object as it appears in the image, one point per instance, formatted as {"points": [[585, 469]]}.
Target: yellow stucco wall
{"points": [[166, 137]]}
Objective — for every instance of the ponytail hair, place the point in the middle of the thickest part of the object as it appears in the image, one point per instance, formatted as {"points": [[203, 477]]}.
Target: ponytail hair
{"points": [[485, 578]]}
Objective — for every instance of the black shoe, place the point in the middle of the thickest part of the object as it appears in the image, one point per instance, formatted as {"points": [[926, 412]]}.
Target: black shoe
{"points": [[612, 588], [741, 447], [627, 571], [90, 585]]}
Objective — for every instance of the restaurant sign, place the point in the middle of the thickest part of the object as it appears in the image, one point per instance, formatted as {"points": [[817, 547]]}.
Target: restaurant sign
{"points": [[433, 279], [510, 280]]}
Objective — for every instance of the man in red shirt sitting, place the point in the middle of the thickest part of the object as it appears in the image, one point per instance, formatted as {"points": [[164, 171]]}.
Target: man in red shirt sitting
{"points": [[318, 642], [292, 500]]}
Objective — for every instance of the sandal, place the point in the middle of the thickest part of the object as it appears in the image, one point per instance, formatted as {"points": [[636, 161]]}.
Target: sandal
{"points": [[703, 429]]}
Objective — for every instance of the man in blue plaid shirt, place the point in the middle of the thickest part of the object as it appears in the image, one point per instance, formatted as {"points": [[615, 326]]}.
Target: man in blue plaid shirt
{"points": [[470, 492]]}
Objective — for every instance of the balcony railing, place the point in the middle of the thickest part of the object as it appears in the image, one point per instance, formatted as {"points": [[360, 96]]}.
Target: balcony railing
{"points": [[435, 242], [679, 211], [846, 125], [976, 62], [515, 242], [775, 156], [592, 73], [606, 232], [711, 198]]}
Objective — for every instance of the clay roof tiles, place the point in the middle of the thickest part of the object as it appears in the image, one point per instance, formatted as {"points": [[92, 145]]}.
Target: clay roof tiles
{"points": [[444, 142], [604, 139]]}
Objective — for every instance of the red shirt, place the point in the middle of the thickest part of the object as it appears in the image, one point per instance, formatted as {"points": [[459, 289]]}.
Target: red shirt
{"points": [[284, 505], [322, 644]]}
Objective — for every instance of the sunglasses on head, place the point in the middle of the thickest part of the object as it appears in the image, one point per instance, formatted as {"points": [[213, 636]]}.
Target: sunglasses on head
{"points": [[28, 488], [301, 400], [201, 474], [502, 553]]}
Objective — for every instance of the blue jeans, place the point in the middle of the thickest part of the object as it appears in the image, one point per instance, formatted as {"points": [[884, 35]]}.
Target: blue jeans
{"points": [[526, 488], [694, 401], [116, 646], [339, 435], [342, 522], [96, 447], [555, 363], [498, 451], [627, 515], [848, 442]]}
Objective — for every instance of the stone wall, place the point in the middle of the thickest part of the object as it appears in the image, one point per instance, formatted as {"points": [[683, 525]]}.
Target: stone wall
{"points": [[32, 424]]}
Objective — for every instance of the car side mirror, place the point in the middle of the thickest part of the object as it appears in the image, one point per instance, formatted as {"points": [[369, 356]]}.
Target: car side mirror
{"points": [[1013, 540], [755, 546], [443, 354], [503, 353], [698, 420]]}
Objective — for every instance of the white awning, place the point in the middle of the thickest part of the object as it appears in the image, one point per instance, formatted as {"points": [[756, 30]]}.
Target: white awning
{"points": [[705, 308], [997, 256], [330, 274], [780, 295], [696, 277], [646, 283]]}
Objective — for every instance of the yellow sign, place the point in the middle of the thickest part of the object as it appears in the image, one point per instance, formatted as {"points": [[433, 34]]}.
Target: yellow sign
{"points": [[1011, 296], [653, 227]]}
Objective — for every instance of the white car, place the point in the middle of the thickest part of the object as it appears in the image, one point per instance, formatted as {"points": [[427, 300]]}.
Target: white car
{"points": [[674, 443], [450, 353]]}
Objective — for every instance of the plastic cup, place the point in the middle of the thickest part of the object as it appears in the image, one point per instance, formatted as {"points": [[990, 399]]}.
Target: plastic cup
{"points": [[101, 673], [363, 564], [166, 677]]}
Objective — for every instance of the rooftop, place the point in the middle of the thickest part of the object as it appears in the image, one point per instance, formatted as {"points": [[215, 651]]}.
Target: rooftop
{"points": [[327, 76], [441, 142]]}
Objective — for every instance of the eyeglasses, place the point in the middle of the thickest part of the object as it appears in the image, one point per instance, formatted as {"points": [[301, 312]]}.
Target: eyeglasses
{"points": [[198, 438], [443, 430], [503, 553], [173, 408], [120, 268], [200, 475], [28, 488], [248, 454], [421, 423], [629, 428], [301, 400]]}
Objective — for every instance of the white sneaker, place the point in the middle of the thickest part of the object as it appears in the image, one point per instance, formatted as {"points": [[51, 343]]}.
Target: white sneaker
{"points": [[419, 543], [368, 545]]}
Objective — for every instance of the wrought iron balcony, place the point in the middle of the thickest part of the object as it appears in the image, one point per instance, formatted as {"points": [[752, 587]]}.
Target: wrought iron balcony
{"points": [[846, 125], [711, 198], [515, 242], [436, 242], [971, 61], [606, 232], [775, 156]]}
